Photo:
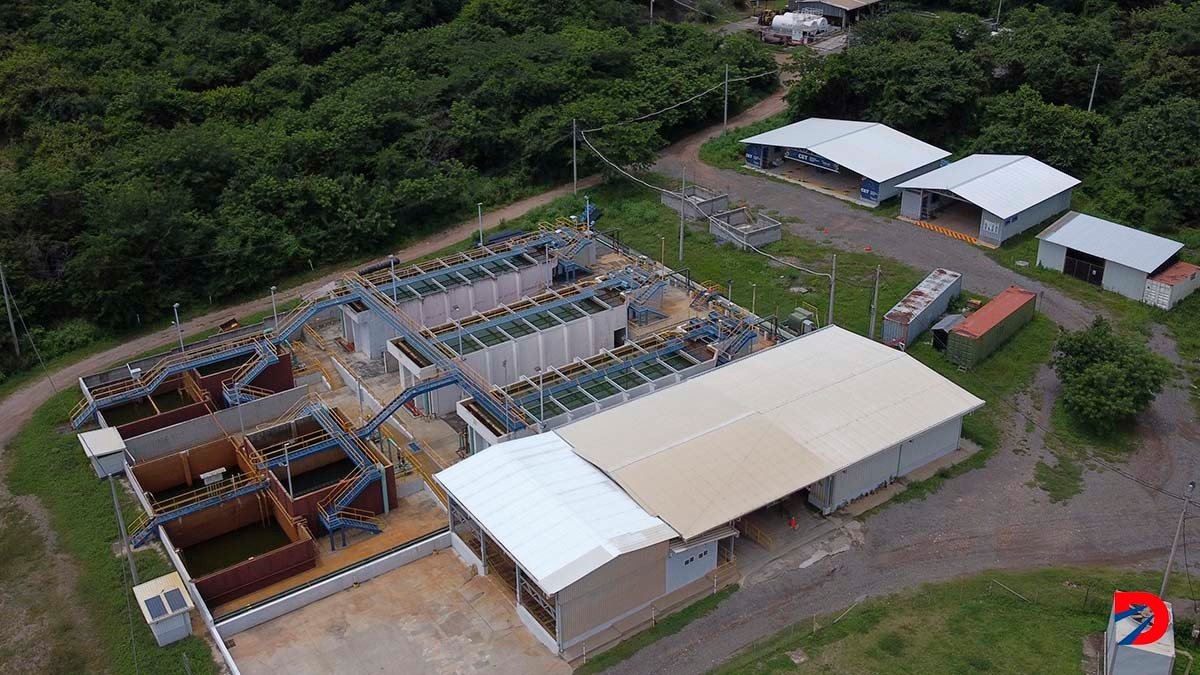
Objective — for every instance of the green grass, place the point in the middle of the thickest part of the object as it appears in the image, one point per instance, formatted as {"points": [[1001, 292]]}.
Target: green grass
{"points": [[757, 282], [727, 150], [969, 625], [45, 461], [672, 624], [1073, 445], [1008, 371]]}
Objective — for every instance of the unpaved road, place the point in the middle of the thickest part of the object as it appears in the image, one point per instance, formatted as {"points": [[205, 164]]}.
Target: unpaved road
{"points": [[985, 519]]}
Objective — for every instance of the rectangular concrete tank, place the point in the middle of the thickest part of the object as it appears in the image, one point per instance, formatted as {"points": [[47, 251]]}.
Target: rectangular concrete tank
{"points": [[917, 311]]}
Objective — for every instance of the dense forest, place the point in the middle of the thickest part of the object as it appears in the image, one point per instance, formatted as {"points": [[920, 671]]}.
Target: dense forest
{"points": [[160, 151], [1024, 89]]}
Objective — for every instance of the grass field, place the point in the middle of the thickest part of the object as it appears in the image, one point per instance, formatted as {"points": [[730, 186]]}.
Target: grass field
{"points": [[972, 625], [108, 635], [668, 626]]}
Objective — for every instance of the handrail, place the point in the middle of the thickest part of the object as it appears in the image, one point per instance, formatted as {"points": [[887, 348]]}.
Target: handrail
{"points": [[206, 492], [410, 457]]}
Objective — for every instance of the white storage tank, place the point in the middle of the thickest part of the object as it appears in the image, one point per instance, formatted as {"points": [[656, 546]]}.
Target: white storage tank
{"points": [[797, 22]]}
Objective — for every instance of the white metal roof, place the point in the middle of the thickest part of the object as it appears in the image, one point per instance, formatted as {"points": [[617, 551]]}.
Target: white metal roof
{"points": [[101, 442], [1002, 184], [874, 150], [1105, 239], [722, 444], [162, 597], [559, 517]]}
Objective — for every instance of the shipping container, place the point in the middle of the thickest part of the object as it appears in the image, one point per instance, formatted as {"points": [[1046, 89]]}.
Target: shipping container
{"points": [[981, 333], [917, 311]]}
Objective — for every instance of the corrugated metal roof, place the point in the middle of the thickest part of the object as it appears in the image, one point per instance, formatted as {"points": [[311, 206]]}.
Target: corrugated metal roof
{"points": [[722, 444], [930, 288], [874, 150], [1002, 184], [1105, 239], [556, 515], [996, 310], [1176, 273]]}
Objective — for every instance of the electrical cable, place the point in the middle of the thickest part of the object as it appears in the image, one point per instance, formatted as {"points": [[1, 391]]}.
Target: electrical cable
{"points": [[126, 591], [673, 106], [33, 344]]}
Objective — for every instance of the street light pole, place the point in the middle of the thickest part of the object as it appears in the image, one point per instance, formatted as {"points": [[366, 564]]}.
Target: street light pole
{"points": [[274, 312], [1187, 496], [587, 211], [178, 327], [479, 207], [392, 272], [753, 298], [124, 536]]}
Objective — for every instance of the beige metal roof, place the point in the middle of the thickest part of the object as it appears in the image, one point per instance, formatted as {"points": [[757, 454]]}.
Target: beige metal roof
{"points": [[732, 440]]}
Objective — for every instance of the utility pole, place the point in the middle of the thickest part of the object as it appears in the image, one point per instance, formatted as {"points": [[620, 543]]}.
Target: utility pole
{"points": [[832, 283], [1095, 79], [479, 207], [574, 158], [1187, 497], [725, 123], [753, 299], [682, 206], [652, 10], [998, 6], [874, 305], [13, 326], [124, 537]]}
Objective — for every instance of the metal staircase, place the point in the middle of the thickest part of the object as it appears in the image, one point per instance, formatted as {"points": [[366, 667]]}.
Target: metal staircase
{"points": [[237, 389], [146, 525], [732, 345]]}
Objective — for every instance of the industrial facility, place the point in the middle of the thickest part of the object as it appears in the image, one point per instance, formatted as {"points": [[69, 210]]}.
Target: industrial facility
{"points": [[862, 162], [280, 462], [603, 521], [988, 198], [1138, 265]]}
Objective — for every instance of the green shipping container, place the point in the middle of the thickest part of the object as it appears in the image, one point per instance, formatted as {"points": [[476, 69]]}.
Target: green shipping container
{"points": [[976, 337]]}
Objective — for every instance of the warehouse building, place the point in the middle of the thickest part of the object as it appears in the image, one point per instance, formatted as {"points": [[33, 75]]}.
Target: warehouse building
{"points": [[838, 12], [863, 162], [605, 523], [988, 197], [1138, 265]]}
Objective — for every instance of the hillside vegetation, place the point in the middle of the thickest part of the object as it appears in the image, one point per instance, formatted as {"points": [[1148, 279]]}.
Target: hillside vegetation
{"points": [[948, 79], [190, 150]]}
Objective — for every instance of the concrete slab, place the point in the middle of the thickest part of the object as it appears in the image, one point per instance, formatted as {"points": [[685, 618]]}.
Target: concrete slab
{"points": [[431, 616]]}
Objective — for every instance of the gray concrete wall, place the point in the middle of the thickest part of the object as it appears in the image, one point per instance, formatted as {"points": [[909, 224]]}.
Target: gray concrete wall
{"points": [[204, 429], [307, 595]]}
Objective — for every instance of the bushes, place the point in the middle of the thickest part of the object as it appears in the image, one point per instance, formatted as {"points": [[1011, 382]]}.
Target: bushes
{"points": [[1107, 378]]}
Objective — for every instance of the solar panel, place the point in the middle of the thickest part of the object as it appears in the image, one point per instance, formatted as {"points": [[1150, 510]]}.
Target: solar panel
{"points": [[175, 600], [155, 606]]}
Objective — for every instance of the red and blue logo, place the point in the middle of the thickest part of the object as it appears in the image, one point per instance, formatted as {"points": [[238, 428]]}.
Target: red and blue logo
{"points": [[1156, 621]]}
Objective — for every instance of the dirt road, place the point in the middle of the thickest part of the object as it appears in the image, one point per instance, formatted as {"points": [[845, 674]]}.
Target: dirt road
{"points": [[19, 406]]}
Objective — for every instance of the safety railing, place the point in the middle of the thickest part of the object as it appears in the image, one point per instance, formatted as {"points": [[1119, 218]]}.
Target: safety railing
{"points": [[757, 534], [410, 457], [206, 492]]}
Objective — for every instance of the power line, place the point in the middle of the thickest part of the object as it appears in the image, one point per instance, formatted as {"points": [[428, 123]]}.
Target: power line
{"points": [[34, 345], [673, 106]]}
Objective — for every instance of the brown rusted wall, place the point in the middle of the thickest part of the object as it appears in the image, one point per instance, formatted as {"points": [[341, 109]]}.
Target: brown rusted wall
{"points": [[246, 577], [218, 520], [371, 500], [185, 467], [276, 378]]}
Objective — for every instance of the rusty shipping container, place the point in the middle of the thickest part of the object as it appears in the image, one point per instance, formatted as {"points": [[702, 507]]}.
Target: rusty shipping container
{"points": [[977, 336], [917, 311]]}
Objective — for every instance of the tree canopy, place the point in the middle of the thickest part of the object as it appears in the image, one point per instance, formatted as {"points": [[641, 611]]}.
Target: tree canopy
{"points": [[1025, 88], [181, 150]]}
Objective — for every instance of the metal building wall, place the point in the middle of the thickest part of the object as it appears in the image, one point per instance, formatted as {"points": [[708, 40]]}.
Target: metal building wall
{"points": [[1030, 217], [1051, 256], [907, 333], [910, 204], [690, 564], [615, 589], [888, 189], [1127, 281]]}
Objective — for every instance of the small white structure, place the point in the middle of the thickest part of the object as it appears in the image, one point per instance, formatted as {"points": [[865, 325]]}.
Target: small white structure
{"points": [[105, 449], [1010, 194], [1156, 658], [165, 606], [871, 157], [1136, 264]]}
